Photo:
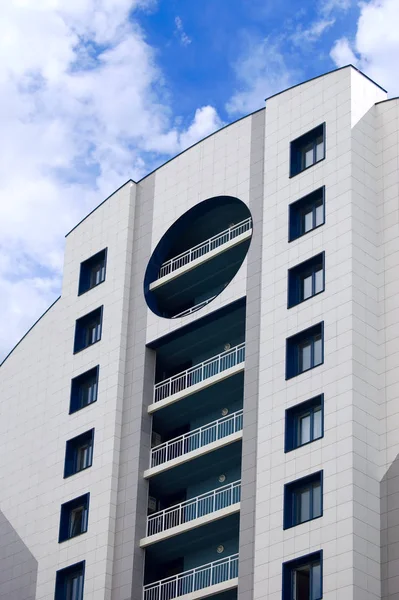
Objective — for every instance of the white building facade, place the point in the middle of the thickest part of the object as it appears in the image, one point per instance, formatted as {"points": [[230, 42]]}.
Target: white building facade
{"points": [[211, 407]]}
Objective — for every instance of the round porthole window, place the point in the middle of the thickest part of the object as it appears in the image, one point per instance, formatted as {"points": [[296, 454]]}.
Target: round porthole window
{"points": [[198, 257]]}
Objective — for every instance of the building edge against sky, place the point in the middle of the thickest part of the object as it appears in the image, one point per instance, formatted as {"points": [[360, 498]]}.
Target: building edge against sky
{"points": [[245, 446]]}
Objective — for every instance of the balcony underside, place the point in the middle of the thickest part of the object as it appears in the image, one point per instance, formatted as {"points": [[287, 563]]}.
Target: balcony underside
{"points": [[193, 409], [205, 467]]}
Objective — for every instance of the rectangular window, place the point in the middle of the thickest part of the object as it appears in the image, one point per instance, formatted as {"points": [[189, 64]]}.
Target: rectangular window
{"points": [[303, 500], [79, 453], [306, 280], [307, 150], [88, 330], [304, 351], [303, 578], [84, 390], [304, 423], [69, 582], [92, 271], [306, 214], [74, 518]]}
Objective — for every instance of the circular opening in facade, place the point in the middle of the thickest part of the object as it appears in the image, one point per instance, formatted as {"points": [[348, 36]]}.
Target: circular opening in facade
{"points": [[198, 257]]}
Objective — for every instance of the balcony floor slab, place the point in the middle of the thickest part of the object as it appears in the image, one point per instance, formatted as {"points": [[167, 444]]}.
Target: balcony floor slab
{"points": [[168, 533]]}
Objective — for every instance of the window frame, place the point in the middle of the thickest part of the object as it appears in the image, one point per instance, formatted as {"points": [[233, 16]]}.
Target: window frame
{"points": [[64, 576], [291, 491], [297, 146], [82, 325], [290, 567], [292, 415], [66, 511], [71, 448], [297, 209], [86, 270], [296, 276], [292, 351], [75, 401]]}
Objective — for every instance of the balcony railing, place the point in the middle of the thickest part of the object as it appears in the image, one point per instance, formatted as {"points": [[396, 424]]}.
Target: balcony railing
{"points": [[211, 432], [193, 580], [208, 368], [201, 249], [193, 308], [194, 508]]}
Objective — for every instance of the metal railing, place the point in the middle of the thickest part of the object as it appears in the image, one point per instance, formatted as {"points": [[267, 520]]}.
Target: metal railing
{"points": [[194, 508], [211, 244], [193, 308], [193, 580], [211, 432], [208, 368]]}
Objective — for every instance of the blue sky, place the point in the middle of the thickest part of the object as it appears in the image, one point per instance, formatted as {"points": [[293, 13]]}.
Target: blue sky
{"points": [[95, 92]]}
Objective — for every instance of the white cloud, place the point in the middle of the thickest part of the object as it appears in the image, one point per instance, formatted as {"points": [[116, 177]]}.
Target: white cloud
{"points": [[83, 100], [184, 39], [329, 6], [342, 53], [375, 47], [313, 32], [260, 71]]}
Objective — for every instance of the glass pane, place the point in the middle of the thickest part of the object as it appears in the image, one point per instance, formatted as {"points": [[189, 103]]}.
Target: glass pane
{"points": [[318, 281], [316, 423], [319, 149], [316, 500], [316, 581], [302, 583], [304, 429], [307, 221], [74, 587], [92, 393], [317, 351], [307, 287], [308, 152], [303, 505], [76, 521], [305, 351], [84, 457], [319, 215]]}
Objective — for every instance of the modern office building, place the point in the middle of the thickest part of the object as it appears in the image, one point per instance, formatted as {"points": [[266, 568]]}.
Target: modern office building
{"points": [[211, 407]]}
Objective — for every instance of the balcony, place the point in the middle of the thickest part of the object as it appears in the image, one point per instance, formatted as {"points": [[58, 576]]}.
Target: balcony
{"points": [[191, 513], [193, 441], [198, 377], [213, 578], [203, 252]]}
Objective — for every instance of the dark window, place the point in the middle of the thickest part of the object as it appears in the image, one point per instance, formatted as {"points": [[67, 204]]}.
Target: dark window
{"points": [[306, 214], [304, 351], [79, 453], [304, 423], [84, 390], [69, 582], [74, 518], [88, 330], [302, 578], [92, 271], [303, 500], [307, 150], [306, 280]]}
